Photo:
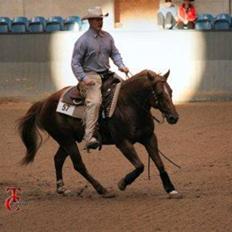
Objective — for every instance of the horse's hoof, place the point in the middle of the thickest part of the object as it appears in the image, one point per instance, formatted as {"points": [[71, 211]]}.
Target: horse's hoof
{"points": [[122, 185], [175, 195], [63, 191], [108, 195]]}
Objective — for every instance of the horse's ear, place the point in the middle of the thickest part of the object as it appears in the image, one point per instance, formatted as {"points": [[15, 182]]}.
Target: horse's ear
{"points": [[151, 75], [165, 76]]}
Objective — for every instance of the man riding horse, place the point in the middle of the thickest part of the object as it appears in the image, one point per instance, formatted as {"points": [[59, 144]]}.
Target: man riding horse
{"points": [[131, 122], [90, 61]]}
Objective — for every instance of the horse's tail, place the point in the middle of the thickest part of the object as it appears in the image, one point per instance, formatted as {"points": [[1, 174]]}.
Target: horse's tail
{"points": [[29, 133]]}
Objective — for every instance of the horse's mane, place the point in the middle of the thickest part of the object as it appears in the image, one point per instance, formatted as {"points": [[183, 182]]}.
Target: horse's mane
{"points": [[138, 85], [140, 77], [135, 89]]}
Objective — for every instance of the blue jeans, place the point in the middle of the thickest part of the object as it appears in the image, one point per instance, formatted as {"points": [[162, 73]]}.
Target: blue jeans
{"points": [[166, 22]]}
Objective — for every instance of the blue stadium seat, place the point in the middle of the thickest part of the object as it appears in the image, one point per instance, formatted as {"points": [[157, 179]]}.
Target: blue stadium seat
{"points": [[37, 24], [54, 23], [222, 22], [72, 23], [204, 22], [19, 24], [5, 24]]}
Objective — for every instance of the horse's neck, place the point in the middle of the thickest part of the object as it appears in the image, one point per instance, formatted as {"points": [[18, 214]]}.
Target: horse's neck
{"points": [[135, 92]]}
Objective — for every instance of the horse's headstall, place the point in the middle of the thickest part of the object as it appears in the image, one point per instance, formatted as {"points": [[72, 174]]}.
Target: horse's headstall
{"points": [[155, 98]]}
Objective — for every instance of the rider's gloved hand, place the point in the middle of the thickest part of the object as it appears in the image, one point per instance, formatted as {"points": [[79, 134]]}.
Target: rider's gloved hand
{"points": [[124, 69]]}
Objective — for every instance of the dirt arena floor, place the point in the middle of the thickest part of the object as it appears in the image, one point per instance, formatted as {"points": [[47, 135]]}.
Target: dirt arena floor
{"points": [[201, 143]]}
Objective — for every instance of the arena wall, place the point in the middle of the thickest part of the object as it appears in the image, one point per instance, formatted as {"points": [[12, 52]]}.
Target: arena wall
{"points": [[34, 65]]}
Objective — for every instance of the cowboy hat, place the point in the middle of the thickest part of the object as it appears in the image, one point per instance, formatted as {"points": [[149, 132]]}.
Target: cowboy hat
{"points": [[95, 12]]}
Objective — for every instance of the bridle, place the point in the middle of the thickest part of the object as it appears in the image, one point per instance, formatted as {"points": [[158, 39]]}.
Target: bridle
{"points": [[156, 103], [155, 97]]}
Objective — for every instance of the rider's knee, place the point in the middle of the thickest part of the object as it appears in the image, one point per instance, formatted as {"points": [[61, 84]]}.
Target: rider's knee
{"points": [[94, 103]]}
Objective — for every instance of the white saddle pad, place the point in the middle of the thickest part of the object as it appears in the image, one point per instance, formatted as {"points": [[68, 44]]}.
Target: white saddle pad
{"points": [[71, 110]]}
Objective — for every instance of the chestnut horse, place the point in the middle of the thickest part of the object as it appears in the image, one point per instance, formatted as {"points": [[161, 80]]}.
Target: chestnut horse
{"points": [[131, 123]]}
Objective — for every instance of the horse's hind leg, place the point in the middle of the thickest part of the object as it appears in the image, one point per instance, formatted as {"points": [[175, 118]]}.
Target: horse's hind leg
{"points": [[129, 152], [59, 159], [151, 146], [79, 166]]}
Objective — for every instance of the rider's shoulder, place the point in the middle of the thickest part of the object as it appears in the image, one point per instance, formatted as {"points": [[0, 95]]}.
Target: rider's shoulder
{"points": [[105, 33], [82, 38]]}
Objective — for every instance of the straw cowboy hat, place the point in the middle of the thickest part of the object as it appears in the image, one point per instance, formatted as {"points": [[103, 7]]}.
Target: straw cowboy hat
{"points": [[95, 12]]}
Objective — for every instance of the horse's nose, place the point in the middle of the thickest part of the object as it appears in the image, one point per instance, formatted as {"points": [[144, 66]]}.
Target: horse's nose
{"points": [[172, 119]]}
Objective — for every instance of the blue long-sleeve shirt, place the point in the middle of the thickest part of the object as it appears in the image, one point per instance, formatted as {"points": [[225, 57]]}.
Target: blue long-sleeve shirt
{"points": [[92, 52]]}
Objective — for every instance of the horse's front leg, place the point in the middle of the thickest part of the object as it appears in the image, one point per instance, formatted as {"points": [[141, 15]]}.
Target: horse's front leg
{"points": [[151, 146], [129, 152]]}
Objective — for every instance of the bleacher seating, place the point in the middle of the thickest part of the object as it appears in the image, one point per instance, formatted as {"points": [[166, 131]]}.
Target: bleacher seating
{"points": [[54, 23], [40, 24], [72, 23], [204, 22], [37, 24], [5, 24], [222, 22], [19, 24], [22, 24]]}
